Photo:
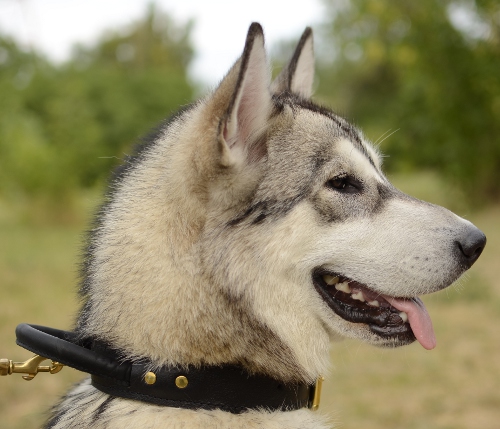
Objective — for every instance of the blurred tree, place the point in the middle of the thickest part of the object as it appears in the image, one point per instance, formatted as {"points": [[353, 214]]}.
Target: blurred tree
{"points": [[429, 68], [23, 142], [64, 127]]}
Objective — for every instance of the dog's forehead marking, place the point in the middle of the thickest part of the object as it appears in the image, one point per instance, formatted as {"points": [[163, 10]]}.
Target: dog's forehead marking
{"points": [[342, 142], [344, 127], [339, 127], [358, 161]]}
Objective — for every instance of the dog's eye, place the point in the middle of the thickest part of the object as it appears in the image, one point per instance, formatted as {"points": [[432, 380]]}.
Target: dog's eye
{"points": [[344, 184], [338, 183]]}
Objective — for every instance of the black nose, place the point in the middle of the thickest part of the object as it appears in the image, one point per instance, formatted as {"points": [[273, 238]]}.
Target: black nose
{"points": [[471, 245]]}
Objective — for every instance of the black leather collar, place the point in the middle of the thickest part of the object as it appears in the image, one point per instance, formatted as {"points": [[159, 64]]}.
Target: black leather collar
{"points": [[229, 388]]}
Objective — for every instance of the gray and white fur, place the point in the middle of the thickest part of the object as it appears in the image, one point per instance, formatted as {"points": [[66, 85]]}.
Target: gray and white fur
{"points": [[205, 250]]}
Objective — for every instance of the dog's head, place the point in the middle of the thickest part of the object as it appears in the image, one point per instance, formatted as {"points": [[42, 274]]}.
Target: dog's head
{"points": [[256, 226]]}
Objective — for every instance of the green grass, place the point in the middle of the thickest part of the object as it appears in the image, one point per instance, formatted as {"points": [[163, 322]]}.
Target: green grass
{"points": [[38, 277], [454, 386]]}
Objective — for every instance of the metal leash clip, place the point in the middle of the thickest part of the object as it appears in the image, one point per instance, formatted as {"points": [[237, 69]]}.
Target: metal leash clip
{"points": [[31, 367]]}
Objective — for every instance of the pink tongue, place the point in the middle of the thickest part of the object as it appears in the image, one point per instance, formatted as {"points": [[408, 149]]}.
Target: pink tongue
{"points": [[419, 319]]}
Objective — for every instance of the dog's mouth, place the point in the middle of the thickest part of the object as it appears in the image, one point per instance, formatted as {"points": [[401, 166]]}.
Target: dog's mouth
{"points": [[398, 320]]}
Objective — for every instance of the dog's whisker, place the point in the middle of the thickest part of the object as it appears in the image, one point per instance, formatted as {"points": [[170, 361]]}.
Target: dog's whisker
{"points": [[385, 138], [376, 141]]}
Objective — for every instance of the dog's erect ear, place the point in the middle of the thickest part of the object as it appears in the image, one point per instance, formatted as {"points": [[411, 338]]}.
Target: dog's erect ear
{"points": [[249, 101], [298, 75]]}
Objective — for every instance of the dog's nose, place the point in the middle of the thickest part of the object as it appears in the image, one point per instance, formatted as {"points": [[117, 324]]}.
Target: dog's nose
{"points": [[472, 245]]}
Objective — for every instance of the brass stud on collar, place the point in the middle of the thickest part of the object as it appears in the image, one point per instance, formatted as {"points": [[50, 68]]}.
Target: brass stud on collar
{"points": [[150, 378], [181, 382]]}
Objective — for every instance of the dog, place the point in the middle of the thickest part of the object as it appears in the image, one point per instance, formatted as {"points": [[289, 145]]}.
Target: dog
{"points": [[250, 230]]}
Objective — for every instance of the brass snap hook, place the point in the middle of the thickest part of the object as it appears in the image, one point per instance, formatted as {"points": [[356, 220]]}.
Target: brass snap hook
{"points": [[31, 367]]}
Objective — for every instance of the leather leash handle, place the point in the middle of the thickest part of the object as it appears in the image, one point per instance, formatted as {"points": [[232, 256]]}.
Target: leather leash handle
{"points": [[64, 347]]}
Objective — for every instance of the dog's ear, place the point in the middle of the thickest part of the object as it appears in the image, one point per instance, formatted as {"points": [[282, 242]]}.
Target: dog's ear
{"points": [[298, 75], [245, 94]]}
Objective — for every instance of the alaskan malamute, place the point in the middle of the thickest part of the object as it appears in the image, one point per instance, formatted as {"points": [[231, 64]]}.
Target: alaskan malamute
{"points": [[250, 230]]}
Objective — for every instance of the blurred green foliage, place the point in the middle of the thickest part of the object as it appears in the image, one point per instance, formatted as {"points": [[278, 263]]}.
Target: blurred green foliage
{"points": [[63, 127], [430, 68]]}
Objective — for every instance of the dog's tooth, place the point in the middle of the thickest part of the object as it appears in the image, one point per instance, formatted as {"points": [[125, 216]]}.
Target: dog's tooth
{"points": [[403, 316], [330, 280], [359, 296], [374, 303], [343, 287]]}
